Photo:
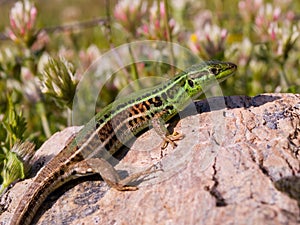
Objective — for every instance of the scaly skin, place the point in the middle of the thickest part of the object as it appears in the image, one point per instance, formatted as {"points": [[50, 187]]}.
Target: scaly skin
{"points": [[114, 126]]}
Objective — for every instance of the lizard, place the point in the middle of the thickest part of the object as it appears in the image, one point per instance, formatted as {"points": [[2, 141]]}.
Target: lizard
{"points": [[87, 153]]}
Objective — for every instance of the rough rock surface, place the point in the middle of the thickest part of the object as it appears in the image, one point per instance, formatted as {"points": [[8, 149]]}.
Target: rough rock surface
{"points": [[238, 164]]}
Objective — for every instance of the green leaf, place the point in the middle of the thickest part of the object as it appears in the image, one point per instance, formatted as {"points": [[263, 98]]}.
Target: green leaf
{"points": [[14, 123]]}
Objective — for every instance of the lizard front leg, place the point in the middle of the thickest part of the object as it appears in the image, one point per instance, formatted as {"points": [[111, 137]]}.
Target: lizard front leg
{"points": [[159, 127]]}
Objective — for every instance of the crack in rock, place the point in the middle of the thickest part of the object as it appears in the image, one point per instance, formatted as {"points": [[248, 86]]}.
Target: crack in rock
{"points": [[220, 201]]}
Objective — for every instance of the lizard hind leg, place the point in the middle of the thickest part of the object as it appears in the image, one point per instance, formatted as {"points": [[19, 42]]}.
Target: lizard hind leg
{"points": [[111, 176]]}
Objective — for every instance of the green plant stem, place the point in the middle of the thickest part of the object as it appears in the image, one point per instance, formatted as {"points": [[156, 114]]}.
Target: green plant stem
{"points": [[134, 73], [283, 78], [169, 36], [69, 116], [45, 124]]}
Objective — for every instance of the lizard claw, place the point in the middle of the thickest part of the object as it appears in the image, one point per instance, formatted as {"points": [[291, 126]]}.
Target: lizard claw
{"points": [[171, 138]]}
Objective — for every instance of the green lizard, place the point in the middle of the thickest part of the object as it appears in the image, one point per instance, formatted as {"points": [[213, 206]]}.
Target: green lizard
{"points": [[113, 127]]}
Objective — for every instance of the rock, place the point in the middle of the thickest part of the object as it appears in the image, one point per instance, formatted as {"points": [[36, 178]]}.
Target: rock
{"points": [[238, 164]]}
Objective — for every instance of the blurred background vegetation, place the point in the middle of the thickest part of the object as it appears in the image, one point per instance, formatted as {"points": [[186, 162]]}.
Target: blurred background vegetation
{"points": [[45, 47]]}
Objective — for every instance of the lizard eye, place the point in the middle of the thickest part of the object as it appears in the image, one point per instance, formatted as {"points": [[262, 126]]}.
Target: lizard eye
{"points": [[214, 71], [191, 83]]}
